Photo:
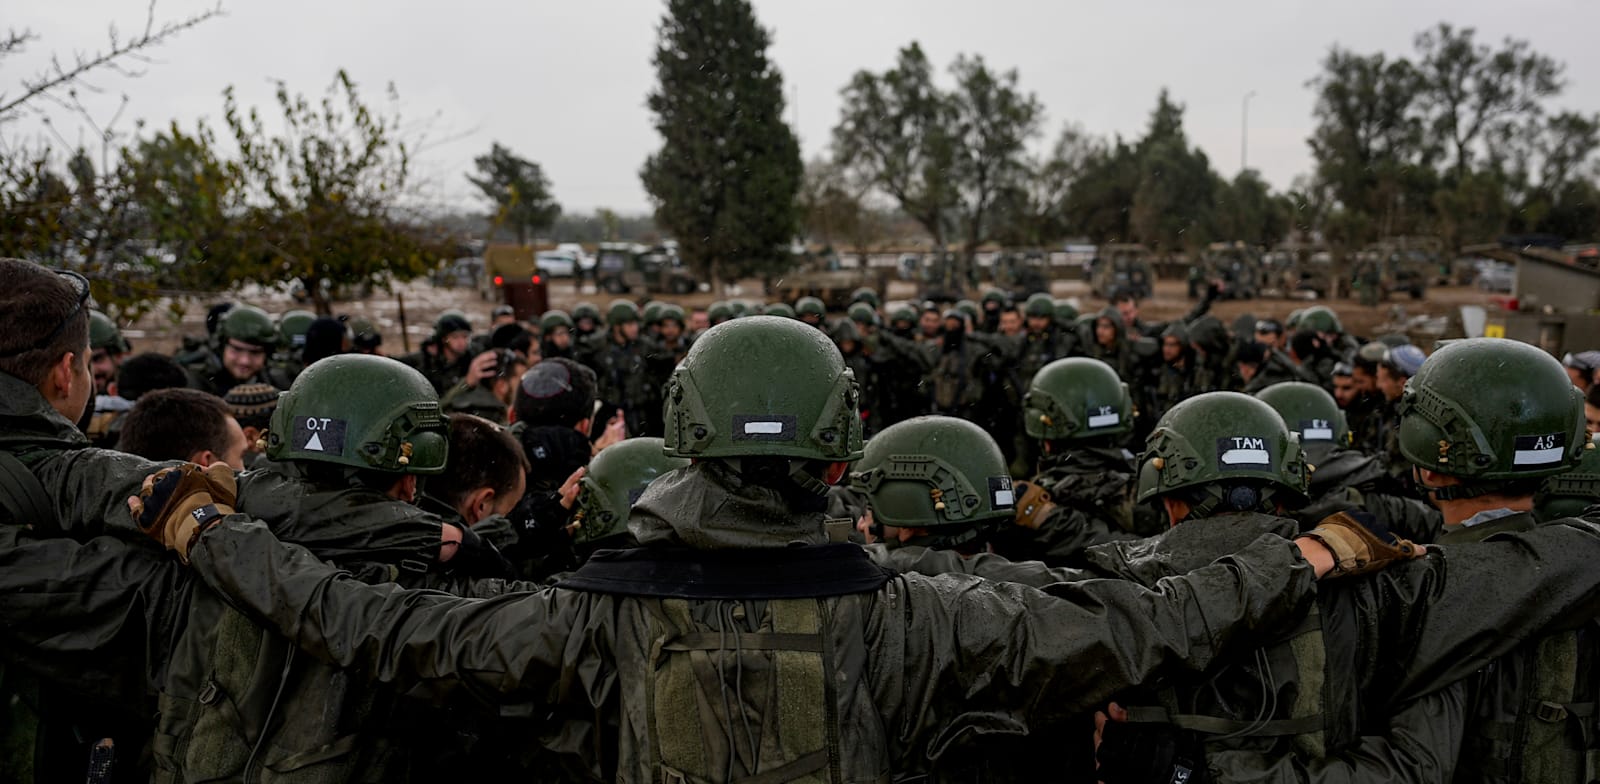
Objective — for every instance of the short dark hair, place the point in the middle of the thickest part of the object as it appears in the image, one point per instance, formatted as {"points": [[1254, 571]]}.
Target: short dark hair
{"points": [[38, 303], [1124, 296], [174, 424], [1305, 343], [481, 455], [556, 392], [144, 373], [1592, 397]]}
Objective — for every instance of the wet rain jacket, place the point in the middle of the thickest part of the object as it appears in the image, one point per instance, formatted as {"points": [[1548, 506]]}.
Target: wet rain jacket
{"points": [[912, 664]]}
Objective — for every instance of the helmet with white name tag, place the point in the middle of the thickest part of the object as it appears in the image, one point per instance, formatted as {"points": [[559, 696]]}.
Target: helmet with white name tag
{"points": [[763, 386], [1309, 411], [1077, 398], [1489, 410], [1224, 440]]}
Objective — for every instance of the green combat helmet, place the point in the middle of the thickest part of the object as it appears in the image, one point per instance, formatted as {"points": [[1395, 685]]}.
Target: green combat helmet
{"points": [[1221, 437], [780, 310], [651, 315], [1568, 494], [862, 313], [904, 313], [449, 322], [810, 306], [970, 308], [719, 312], [1040, 305], [740, 308], [1489, 411], [293, 325], [1573, 492], [1066, 312], [615, 479], [867, 296], [1319, 318], [553, 319], [621, 311], [671, 312], [250, 324], [935, 472], [586, 310], [996, 296], [1076, 398], [716, 407], [1309, 411], [104, 335], [361, 411]]}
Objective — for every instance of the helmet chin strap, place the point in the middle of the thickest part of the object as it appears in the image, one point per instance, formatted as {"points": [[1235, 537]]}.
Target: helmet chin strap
{"points": [[1455, 492]]}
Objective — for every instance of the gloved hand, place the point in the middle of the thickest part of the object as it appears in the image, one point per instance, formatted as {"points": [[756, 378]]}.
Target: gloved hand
{"points": [[176, 504], [1148, 753], [1033, 504], [471, 554], [1356, 550]]}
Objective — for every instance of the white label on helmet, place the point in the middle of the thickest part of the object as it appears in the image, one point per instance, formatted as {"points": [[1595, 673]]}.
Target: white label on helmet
{"points": [[1316, 434], [1539, 450], [1240, 451], [1103, 416], [763, 428], [1000, 492]]}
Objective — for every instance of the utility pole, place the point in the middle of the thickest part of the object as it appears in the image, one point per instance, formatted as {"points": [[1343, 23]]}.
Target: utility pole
{"points": [[1244, 132]]}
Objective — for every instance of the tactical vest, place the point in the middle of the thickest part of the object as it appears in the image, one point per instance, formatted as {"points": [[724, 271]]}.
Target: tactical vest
{"points": [[741, 690], [1286, 686], [1533, 718], [267, 712]]}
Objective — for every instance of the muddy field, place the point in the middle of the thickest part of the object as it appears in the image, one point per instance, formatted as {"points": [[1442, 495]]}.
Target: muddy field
{"points": [[422, 302]]}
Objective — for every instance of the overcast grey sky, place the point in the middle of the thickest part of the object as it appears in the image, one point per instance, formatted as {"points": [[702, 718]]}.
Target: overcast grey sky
{"points": [[564, 83]]}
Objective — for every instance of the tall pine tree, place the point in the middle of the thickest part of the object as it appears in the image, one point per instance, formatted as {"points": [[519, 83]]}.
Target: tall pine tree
{"points": [[726, 177]]}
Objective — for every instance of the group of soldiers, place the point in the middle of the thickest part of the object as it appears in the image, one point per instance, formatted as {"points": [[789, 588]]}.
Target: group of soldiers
{"points": [[652, 545]]}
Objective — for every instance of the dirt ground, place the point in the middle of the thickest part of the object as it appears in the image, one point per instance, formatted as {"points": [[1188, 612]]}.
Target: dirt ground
{"points": [[422, 302]]}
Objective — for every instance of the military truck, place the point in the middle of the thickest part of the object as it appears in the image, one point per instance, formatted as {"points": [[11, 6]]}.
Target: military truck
{"points": [[1234, 266], [1122, 268], [1399, 265], [826, 277], [511, 275], [1023, 274], [621, 269]]}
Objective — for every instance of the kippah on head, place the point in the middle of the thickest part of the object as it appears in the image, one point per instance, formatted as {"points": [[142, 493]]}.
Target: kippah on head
{"points": [[545, 380], [246, 400]]}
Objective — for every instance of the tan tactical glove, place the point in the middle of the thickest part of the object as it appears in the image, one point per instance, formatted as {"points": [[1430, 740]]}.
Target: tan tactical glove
{"points": [[1033, 504], [1355, 549], [176, 504]]}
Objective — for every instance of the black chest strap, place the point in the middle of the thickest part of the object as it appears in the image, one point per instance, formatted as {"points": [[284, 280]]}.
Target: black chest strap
{"points": [[766, 573]]}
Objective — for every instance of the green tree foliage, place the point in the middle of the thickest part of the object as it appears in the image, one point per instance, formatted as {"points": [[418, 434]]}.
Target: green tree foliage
{"points": [[1457, 141], [322, 194], [725, 180], [1176, 192], [948, 158], [518, 190]]}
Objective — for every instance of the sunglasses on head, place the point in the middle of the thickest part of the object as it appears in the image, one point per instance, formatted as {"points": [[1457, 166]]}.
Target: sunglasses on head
{"points": [[82, 285]]}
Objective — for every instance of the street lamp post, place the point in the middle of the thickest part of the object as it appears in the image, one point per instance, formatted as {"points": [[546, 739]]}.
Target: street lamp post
{"points": [[1244, 132]]}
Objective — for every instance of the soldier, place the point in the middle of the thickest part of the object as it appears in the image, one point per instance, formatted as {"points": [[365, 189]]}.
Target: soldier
{"points": [[1344, 480], [650, 319], [365, 337], [555, 341], [186, 425], [839, 647], [672, 337], [445, 357], [107, 347], [489, 386], [1175, 377], [616, 478], [1483, 424], [289, 359], [247, 337], [810, 310], [618, 359], [349, 442], [718, 313], [1081, 494], [780, 310], [867, 296], [1399, 364], [1581, 368], [585, 321], [1261, 366]]}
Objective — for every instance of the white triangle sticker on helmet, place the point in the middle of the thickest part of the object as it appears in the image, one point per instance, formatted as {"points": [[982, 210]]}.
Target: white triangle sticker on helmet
{"points": [[314, 444]]}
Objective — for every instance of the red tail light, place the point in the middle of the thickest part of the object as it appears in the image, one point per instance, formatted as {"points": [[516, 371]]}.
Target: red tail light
{"points": [[499, 281], [537, 280]]}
